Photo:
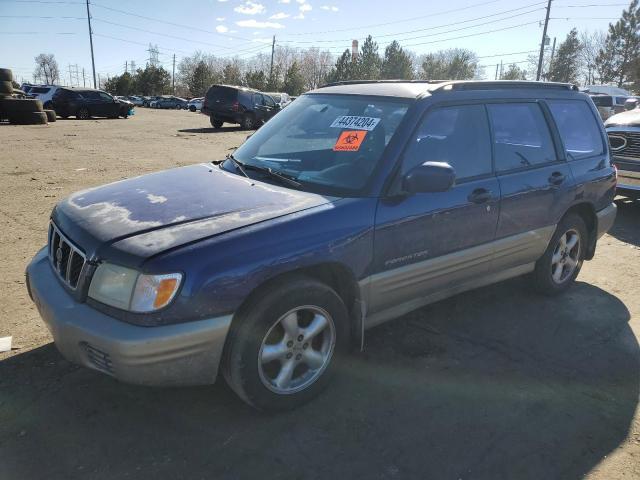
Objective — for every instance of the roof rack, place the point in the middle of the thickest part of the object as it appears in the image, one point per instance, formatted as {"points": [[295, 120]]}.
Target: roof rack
{"points": [[501, 84], [357, 82]]}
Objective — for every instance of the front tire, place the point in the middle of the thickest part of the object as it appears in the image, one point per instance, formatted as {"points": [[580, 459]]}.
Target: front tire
{"points": [[558, 268], [286, 344], [83, 114], [248, 122], [215, 123]]}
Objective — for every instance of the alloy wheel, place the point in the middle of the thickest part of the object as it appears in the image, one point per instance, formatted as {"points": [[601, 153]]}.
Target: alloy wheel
{"points": [[296, 350], [566, 256]]}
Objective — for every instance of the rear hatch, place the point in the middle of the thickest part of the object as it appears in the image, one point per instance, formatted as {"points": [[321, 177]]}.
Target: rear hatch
{"points": [[222, 100]]}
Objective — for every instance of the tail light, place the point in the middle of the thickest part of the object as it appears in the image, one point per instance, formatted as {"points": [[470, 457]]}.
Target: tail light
{"points": [[235, 106]]}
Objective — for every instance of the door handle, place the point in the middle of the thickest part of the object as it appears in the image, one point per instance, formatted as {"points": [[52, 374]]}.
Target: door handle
{"points": [[556, 178], [480, 195]]}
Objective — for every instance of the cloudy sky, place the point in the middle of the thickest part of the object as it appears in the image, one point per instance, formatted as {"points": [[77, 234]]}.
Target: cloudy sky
{"points": [[506, 30]]}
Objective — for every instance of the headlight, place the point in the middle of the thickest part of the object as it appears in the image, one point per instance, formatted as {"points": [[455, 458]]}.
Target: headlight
{"points": [[131, 290]]}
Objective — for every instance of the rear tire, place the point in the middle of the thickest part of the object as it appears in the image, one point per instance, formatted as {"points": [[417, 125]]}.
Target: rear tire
{"points": [[192, 108], [215, 123], [286, 344], [558, 268], [83, 114]]}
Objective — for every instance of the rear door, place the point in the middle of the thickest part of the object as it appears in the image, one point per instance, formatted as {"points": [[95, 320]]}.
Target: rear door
{"points": [[535, 181], [432, 242]]}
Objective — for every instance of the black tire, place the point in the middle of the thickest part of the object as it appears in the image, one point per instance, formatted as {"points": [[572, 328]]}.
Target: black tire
{"points": [[192, 108], [241, 366], [51, 115], [6, 75], [6, 87], [248, 122], [124, 113], [28, 118], [215, 123], [543, 275], [20, 105], [83, 114]]}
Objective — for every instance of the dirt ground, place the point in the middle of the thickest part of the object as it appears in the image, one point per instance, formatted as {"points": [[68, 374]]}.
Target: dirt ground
{"points": [[498, 383]]}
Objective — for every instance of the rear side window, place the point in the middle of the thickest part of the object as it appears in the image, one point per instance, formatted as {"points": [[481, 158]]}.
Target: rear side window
{"points": [[602, 100], [457, 135], [39, 90], [578, 128], [521, 136]]}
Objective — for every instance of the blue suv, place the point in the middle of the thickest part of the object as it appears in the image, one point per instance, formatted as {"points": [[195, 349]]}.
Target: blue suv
{"points": [[359, 202]]}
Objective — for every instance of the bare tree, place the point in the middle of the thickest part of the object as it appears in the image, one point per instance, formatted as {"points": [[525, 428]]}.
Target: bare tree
{"points": [[46, 71], [314, 67], [592, 43]]}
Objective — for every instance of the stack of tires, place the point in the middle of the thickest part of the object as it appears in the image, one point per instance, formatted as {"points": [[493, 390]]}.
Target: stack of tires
{"points": [[21, 111]]}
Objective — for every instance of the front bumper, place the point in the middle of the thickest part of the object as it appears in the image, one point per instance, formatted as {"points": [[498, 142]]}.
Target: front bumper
{"points": [[606, 217], [181, 354]]}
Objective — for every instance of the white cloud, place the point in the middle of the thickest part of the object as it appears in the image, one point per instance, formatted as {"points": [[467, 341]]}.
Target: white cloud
{"points": [[329, 8], [250, 8], [219, 19], [256, 24], [300, 16], [305, 7], [301, 1], [221, 29], [222, 1], [279, 16], [284, 1]]}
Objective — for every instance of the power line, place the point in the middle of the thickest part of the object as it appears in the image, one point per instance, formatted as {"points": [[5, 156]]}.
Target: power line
{"points": [[41, 16], [188, 27], [445, 12], [38, 33], [443, 25]]}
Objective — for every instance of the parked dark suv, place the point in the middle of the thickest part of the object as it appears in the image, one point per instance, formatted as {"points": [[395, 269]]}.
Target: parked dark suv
{"points": [[355, 205], [244, 106], [86, 103]]}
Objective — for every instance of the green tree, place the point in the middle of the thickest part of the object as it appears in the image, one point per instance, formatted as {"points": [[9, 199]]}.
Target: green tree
{"points": [[565, 66], [616, 59], [152, 81], [452, 64], [514, 73], [397, 63], [369, 63], [120, 84], [200, 79], [231, 74], [344, 68], [293, 80], [256, 79]]}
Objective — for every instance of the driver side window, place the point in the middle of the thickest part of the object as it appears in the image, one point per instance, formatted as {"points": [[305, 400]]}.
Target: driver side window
{"points": [[458, 135]]}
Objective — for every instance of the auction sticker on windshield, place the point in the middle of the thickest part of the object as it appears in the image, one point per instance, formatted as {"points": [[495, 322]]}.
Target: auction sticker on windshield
{"points": [[350, 141], [361, 123]]}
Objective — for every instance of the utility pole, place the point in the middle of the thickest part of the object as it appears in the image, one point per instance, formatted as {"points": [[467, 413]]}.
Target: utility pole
{"points": [[497, 66], [70, 81], [273, 49], [99, 82], [126, 65], [501, 70], [544, 37], [173, 75], [84, 79], [93, 63]]}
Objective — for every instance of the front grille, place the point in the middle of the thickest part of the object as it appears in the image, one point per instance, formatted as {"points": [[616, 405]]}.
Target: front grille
{"points": [[66, 259], [98, 358], [629, 148]]}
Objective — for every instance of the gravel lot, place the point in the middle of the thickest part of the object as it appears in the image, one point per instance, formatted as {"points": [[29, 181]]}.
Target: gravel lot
{"points": [[498, 383]]}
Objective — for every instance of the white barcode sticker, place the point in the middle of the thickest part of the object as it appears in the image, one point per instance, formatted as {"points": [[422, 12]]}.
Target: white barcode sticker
{"points": [[359, 123]]}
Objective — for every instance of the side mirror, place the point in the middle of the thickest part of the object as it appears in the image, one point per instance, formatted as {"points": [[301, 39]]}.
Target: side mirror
{"points": [[429, 177], [630, 104]]}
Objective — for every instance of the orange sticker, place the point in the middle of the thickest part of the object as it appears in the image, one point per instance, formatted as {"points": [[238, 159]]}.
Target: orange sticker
{"points": [[350, 141]]}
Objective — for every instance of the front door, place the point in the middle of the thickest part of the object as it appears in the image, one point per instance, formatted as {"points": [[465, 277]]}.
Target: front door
{"points": [[435, 242]]}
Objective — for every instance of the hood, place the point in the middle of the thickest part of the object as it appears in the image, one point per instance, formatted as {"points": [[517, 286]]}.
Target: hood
{"points": [[628, 118], [124, 102], [147, 215]]}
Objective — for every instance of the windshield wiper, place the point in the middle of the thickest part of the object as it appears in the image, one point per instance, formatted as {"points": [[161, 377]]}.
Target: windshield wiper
{"points": [[239, 165], [271, 173]]}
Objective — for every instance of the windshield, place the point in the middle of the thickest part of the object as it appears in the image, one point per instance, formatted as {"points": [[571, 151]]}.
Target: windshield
{"points": [[328, 143]]}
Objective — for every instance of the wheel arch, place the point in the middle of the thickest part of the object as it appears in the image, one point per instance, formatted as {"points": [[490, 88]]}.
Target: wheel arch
{"points": [[334, 274], [588, 213]]}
